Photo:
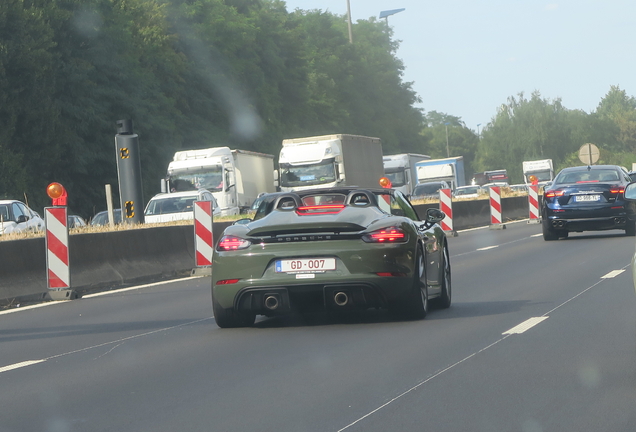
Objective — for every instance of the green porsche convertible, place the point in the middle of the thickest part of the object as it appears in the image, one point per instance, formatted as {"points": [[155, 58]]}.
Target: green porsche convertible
{"points": [[332, 249]]}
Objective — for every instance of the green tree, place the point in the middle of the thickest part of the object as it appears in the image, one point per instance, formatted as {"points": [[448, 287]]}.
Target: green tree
{"points": [[447, 135], [526, 129]]}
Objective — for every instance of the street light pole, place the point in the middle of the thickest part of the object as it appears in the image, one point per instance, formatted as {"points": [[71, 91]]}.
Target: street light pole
{"points": [[447, 147], [478, 134], [349, 21]]}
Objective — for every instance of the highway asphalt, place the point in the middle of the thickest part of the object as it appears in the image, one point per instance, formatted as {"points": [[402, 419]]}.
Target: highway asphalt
{"points": [[541, 337]]}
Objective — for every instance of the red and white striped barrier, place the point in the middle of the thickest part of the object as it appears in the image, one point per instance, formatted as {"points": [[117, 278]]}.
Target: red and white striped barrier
{"points": [[533, 204], [495, 208], [446, 205], [57, 252], [203, 237]]}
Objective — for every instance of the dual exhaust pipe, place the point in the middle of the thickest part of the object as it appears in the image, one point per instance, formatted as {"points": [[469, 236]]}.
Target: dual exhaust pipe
{"points": [[559, 224], [273, 301]]}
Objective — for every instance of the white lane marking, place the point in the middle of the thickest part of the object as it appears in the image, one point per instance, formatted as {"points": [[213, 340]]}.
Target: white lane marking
{"points": [[525, 326], [422, 383], [487, 248], [35, 306], [87, 296], [150, 285], [462, 361], [536, 235], [488, 226], [612, 274], [115, 342], [20, 365]]}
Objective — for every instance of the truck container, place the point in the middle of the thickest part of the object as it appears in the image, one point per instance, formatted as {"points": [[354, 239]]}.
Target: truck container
{"points": [[401, 170], [450, 170], [542, 170], [330, 160], [235, 177]]}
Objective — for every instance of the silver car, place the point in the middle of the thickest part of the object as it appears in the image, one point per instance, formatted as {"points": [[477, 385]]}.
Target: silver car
{"points": [[16, 217]]}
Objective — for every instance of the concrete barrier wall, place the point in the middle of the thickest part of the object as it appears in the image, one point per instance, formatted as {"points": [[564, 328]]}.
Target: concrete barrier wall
{"points": [[109, 260]]}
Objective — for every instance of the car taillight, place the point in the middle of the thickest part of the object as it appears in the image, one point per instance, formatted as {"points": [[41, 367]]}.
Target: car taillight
{"points": [[386, 235], [617, 190], [319, 209], [230, 243], [227, 281], [554, 193]]}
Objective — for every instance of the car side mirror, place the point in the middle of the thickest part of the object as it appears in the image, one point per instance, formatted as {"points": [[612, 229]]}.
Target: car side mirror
{"points": [[434, 216], [22, 218], [630, 191]]}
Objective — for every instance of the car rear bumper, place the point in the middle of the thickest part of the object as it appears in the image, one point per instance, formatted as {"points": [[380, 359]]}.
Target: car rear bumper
{"points": [[589, 224], [331, 296]]}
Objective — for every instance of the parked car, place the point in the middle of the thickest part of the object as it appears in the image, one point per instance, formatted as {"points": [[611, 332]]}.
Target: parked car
{"points": [[16, 217], [167, 207], [75, 221], [338, 249], [472, 191], [428, 189], [587, 198], [523, 188], [101, 218]]}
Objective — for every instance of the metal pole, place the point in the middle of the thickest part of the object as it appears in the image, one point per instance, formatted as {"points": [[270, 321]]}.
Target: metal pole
{"points": [[447, 148], [349, 21]]}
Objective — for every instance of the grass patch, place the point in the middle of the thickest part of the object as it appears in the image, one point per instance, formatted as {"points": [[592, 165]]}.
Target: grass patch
{"points": [[89, 229]]}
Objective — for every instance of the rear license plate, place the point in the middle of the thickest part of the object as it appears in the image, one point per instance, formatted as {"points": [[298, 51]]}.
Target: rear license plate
{"points": [[587, 198], [306, 265]]}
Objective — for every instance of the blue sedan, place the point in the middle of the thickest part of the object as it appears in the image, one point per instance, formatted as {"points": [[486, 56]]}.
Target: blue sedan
{"points": [[587, 198]]}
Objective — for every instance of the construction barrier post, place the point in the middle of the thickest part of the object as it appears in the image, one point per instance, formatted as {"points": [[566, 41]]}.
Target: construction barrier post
{"points": [[533, 204], [203, 237], [58, 271], [495, 208], [446, 205]]}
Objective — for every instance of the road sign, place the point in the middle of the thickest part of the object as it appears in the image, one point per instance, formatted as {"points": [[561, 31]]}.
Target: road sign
{"points": [[589, 154]]}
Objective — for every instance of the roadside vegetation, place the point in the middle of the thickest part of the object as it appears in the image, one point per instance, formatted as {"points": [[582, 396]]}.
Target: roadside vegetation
{"points": [[246, 74]]}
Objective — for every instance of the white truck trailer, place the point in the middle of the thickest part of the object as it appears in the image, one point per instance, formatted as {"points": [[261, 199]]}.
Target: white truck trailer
{"points": [[401, 170], [235, 177], [450, 170], [330, 160], [542, 170]]}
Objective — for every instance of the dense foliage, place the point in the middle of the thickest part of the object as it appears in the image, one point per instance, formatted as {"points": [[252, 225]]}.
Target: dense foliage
{"points": [[190, 74], [242, 73]]}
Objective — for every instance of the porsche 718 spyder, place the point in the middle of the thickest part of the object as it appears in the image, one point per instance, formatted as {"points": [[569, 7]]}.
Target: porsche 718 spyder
{"points": [[331, 249]]}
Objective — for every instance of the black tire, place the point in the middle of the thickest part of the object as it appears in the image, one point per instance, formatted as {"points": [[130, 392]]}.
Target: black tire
{"points": [[417, 303], [229, 318], [444, 301], [549, 234], [630, 229]]}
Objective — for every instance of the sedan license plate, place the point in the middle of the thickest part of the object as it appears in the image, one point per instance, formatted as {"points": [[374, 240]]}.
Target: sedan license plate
{"points": [[587, 198], [305, 265]]}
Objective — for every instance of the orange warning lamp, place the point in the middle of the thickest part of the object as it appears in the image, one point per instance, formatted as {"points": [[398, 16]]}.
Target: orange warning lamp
{"points": [[533, 180], [55, 190], [385, 183], [57, 193]]}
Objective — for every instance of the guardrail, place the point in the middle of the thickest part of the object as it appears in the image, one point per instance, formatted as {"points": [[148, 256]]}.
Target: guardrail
{"points": [[103, 261]]}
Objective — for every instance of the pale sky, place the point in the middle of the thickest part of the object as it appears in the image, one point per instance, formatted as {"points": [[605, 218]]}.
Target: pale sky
{"points": [[466, 57]]}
